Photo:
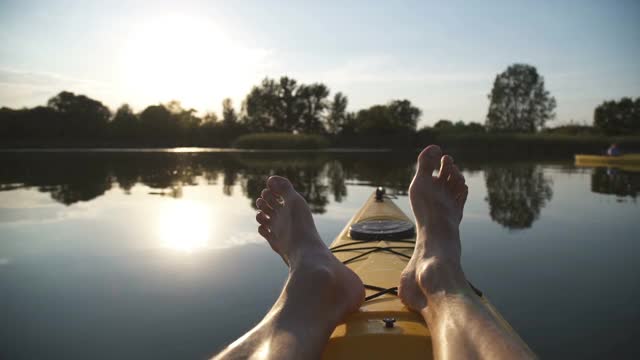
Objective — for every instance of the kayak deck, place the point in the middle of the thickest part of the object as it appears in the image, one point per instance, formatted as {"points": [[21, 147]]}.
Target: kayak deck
{"points": [[365, 334]]}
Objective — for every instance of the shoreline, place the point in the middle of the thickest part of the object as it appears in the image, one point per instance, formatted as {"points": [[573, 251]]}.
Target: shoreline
{"points": [[194, 149]]}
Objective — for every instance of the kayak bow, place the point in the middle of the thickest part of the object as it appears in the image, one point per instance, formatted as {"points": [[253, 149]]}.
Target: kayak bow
{"points": [[377, 244]]}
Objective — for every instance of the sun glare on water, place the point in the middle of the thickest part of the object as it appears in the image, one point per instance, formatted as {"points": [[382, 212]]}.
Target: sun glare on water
{"points": [[185, 226], [187, 59]]}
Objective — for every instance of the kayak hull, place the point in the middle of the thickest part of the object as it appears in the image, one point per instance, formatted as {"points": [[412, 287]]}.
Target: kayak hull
{"points": [[630, 162]]}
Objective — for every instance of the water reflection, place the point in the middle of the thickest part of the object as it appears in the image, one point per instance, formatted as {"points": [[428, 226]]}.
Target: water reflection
{"points": [[71, 177], [615, 182], [185, 226], [83, 270], [516, 194]]}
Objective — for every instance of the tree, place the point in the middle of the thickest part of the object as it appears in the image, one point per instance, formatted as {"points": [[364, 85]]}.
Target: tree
{"points": [[443, 125], [210, 118], [285, 106], [458, 127], [398, 116], [519, 101], [337, 116], [229, 117], [36, 123], [157, 123], [404, 115], [349, 126], [287, 103], [618, 117], [374, 121], [262, 108], [81, 115], [125, 123], [312, 100], [184, 122], [474, 127]]}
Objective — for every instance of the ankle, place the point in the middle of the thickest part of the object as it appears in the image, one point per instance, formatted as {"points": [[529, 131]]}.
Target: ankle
{"points": [[441, 276], [320, 275], [440, 235], [313, 254]]}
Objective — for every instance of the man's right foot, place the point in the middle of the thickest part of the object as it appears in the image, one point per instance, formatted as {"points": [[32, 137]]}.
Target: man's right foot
{"points": [[437, 203], [286, 223]]}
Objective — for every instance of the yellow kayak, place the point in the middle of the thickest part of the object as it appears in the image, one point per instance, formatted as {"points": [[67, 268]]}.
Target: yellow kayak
{"points": [[377, 244], [629, 162]]}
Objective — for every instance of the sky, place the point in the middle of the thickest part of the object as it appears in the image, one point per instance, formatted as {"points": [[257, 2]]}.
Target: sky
{"points": [[442, 56]]}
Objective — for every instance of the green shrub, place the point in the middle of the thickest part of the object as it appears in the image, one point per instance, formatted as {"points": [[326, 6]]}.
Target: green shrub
{"points": [[280, 141], [519, 145]]}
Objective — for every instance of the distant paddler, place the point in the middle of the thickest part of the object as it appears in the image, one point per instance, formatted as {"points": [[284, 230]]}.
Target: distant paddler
{"points": [[614, 150]]}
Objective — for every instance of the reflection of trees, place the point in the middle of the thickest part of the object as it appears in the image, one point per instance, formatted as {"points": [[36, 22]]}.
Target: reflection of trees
{"points": [[516, 194], [615, 182], [67, 181], [165, 173], [93, 184], [335, 177], [74, 176], [391, 170], [127, 176], [307, 182]]}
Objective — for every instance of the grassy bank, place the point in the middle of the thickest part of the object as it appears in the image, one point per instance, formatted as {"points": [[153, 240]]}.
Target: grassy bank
{"points": [[281, 141], [480, 144], [538, 145]]}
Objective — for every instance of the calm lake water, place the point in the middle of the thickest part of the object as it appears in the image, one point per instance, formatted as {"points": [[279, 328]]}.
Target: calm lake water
{"points": [[155, 255]]}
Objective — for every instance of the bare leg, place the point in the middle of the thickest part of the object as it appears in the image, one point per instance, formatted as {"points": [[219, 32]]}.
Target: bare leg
{"points": [[461, 326], [318, 294]]}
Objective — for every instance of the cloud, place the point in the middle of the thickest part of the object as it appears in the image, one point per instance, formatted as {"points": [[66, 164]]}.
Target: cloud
{"points": [[241, 239], [389, 69], [44, 214], [27, 88]]}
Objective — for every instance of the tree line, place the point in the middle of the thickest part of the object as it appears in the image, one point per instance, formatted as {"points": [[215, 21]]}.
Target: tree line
{"points": [[519, 102], [273, 106]]}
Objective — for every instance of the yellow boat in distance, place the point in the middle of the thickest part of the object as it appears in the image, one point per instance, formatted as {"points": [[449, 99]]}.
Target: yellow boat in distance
{"points": [[628, 162], [377, 244]]}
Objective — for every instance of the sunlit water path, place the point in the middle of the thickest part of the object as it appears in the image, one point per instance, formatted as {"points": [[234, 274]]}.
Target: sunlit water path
{"points": [[156, 255]]}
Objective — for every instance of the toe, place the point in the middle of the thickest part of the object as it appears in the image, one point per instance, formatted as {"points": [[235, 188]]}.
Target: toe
{"points": [[264, 231], [262, 218], [263, 205], [461, 198], [279, 185], [270, 198], [456, 175], [428, 159], [446, 163], [455, 180]]}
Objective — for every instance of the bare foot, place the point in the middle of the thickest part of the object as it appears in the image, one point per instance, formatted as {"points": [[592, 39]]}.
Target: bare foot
{"points": [[437, 203], [286, 222]]}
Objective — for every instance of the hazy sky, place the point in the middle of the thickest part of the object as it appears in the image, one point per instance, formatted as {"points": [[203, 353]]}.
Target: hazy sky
{"points": [[443, 56]]}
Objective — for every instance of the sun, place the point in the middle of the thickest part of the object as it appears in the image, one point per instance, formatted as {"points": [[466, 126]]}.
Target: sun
{"points": [[185, 226], [185, 58]]}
